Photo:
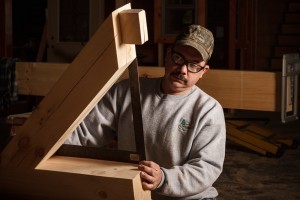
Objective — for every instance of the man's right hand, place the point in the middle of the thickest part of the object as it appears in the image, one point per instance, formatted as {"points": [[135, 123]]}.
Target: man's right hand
{"points": [[151, 174]]}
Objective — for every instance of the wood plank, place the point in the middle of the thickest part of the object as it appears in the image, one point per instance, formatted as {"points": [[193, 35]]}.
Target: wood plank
{"points": [[73, 178], [246, 144], [262, 144], [249, 90], [77, 91], [37, 78], [88, 166], [17, 119], [261, 89]]}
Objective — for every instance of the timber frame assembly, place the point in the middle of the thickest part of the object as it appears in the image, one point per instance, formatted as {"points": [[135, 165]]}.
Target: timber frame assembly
{"points": [[28, 168]]}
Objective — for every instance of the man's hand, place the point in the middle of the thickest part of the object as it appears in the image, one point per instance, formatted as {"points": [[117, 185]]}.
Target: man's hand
{"points": [[151, 174]]}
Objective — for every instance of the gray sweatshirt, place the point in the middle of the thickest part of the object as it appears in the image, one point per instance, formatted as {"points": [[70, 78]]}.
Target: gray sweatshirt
{"points": [[185, 134]]}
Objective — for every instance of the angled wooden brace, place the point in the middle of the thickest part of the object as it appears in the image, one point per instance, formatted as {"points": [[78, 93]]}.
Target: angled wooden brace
{"points": [[101, 62], [28, 168]]}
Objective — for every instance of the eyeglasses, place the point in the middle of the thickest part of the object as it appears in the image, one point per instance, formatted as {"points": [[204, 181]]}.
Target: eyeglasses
{"points": [[179, 60]]}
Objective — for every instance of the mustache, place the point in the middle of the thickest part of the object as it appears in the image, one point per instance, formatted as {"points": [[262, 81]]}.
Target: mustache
{"points": [[179, 76]]}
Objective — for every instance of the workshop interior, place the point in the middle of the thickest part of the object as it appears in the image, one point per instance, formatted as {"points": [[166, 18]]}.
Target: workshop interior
{"points": [[254, 74]]}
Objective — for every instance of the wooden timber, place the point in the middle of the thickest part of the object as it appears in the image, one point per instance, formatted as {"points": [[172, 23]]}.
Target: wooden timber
{"points": [[258, 144], [28, 169], [73, 178], [235, 89], [81, 86]]}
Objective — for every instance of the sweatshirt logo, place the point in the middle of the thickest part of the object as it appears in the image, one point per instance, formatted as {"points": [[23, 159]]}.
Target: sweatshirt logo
{"points": [[184, 125]]}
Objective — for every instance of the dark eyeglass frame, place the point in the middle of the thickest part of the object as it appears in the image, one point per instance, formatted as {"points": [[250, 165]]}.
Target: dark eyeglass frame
{"points": [[191, 66]]}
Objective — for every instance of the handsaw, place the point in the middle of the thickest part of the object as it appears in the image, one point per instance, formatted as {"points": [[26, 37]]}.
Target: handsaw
{"points": [[115, 154]]}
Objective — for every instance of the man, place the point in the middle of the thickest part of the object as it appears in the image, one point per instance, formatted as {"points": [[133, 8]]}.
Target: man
{"points": [[184, 128]]}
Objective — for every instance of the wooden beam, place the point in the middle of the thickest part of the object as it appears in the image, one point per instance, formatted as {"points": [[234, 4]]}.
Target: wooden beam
{"points": [[73, 178], [253, 140], [37, 78], [77, 91], [28, 168], [249, 90], [131, 28]]}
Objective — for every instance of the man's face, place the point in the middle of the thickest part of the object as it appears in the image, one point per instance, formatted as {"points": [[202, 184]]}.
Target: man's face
{"points": [[178, 79]]}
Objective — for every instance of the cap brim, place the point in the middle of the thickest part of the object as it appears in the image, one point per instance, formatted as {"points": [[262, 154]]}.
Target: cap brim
{"points": [[196, 46]]}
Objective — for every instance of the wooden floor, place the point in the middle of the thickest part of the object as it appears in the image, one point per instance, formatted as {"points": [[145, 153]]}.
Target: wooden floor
{"points": [[247, 175]]}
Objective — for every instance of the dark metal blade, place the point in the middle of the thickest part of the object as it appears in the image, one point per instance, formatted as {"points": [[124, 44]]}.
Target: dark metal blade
{"points": [[136, 109], [98, 153]]}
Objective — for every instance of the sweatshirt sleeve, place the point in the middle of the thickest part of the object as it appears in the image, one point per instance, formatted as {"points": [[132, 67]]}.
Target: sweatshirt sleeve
{"points": [[205, 162], [98, 129]]}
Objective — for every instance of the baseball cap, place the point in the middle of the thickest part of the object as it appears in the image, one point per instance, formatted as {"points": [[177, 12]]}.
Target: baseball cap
{"points": [[199, 38]]}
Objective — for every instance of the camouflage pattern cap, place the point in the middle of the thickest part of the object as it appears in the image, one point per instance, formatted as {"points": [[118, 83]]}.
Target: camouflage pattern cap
{"points": [[198, 37]]}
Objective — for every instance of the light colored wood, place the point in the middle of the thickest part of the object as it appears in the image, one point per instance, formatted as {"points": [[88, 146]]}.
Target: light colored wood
{"points": [[73, 178], [28, 169], [249, 90], [247, 144], [262, 144], [82, 85], [90, 167], [131, 28], [18, 119], [262, 133], [37, 78]]}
